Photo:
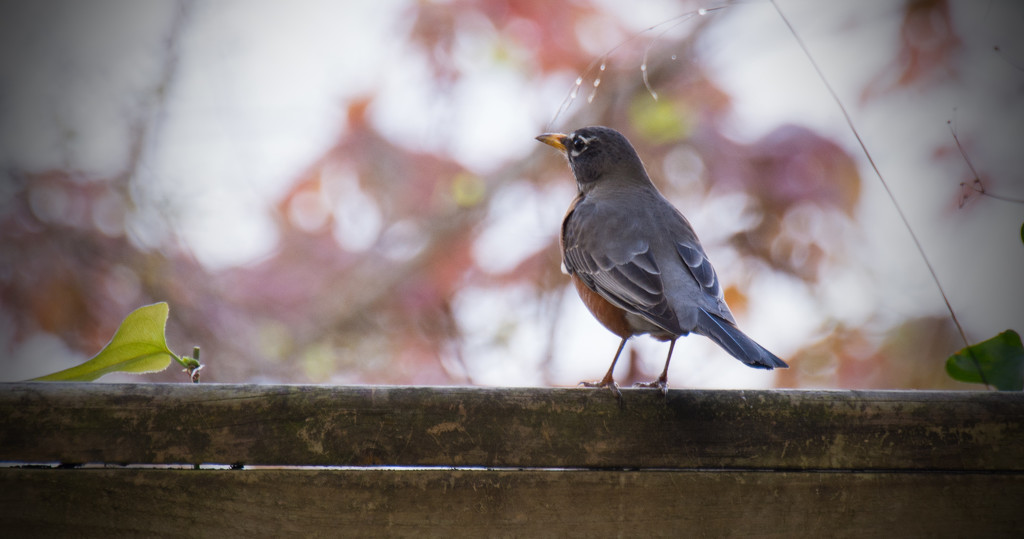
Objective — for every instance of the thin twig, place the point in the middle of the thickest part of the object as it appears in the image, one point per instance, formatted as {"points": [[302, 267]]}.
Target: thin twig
{"points": [[603, 60], [885, 185], [977, 186], [1002, 55]]}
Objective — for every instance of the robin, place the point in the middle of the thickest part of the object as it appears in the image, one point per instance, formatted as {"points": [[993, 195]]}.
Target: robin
{"points": [[635, 260]]}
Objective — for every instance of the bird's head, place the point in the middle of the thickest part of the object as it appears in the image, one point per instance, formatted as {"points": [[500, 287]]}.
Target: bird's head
{"points": [[598, 153]]}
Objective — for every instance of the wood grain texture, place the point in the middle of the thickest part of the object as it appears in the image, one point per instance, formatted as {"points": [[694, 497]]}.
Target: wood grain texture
{"points": [[526, 503], [511, 427]]}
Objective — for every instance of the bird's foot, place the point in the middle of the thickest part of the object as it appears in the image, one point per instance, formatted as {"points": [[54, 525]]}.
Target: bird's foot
{"points": [[660, 383], [610, 384]]}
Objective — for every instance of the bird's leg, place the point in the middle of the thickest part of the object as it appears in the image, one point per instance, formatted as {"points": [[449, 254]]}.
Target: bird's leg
{"points": [[662, 381], [608, 380]]}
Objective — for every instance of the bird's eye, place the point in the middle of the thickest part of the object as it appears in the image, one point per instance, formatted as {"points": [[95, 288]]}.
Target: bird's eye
{"points": [[578, 145]]}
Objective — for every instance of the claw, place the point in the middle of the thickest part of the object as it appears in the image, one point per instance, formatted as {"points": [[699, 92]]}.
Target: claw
{"points": [[610, 384], [660, 383]]}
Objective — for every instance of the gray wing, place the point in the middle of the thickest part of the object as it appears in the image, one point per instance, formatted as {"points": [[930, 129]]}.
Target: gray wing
{"points": [[611, 258], [696, 261]]}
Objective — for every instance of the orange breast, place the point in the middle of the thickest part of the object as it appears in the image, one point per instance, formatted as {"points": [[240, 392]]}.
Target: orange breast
{"points": [[609, 315]]}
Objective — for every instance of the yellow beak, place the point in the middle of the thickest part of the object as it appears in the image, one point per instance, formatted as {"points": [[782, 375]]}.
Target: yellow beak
{"points": [[556, 140]]}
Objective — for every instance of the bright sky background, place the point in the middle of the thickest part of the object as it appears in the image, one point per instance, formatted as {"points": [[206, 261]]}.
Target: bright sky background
{"points": [[262, 88]]}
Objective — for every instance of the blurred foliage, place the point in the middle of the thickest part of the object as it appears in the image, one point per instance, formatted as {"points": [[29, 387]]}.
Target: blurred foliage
{"points": [[378, 243], [927, 40], [902, 357]]}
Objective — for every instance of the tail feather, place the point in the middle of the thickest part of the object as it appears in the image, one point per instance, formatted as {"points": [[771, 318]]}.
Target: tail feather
{"points": [[736, 342]]}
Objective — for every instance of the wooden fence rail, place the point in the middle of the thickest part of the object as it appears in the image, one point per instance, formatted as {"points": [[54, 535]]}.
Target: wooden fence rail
{"points": [[149, 460]]}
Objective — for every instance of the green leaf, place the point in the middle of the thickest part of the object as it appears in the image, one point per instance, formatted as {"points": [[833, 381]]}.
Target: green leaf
{"points": [[1000, 358], [138, 346]]}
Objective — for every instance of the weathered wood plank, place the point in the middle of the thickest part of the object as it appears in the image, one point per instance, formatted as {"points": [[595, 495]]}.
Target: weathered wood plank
{"points": [[510, 427], [527, 503]]}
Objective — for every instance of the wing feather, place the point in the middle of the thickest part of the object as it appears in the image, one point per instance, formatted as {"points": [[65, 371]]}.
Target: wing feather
{"points": [[700, 267], [624, 272]]}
